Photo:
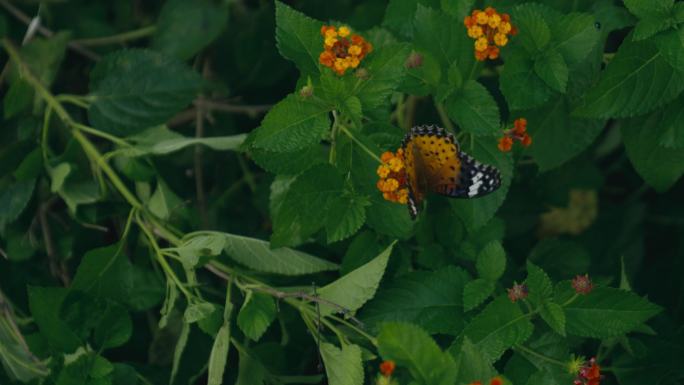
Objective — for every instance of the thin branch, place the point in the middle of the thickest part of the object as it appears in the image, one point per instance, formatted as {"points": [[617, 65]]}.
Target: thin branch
{"points": [[21, 16], [57, 268], [199, 171], [118, 38], [7, 313], [213, 105]]}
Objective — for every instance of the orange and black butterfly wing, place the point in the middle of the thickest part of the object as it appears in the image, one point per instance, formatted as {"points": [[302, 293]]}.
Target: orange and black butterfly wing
{"points": [[434, 163]]}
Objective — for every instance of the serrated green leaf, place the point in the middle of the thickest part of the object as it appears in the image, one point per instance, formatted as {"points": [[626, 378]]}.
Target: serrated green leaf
{"points": [[422, 79], [164, 202], [574, 36], [637, 69], [476, 292], [431, 300], [135, 89], [399, 16], [195, 249], [554, 315], [474, 109], [298, 38], [475, 213], [534, 32], [353, 290], [251, 371], [114, 329], [389, 218], [412, 348], [607, 312], [345, 217], [292, 124], [300, 213], [644, 8], [386, 70], [257, 313], [342, 366], [472, 364], [198, 311], [18, 98], [498, 327], [660, 167], [519, 83], [649, 26], [288, 163], [491, 261], [539, 284], [671, 46], [551, 68], [13, 201], [558, 136], [199, 22], [257, 255], [457, 8]]}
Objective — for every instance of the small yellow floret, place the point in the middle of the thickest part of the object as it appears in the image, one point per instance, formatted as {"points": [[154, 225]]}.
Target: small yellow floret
{"points": [[343, 31], [481, 44]]}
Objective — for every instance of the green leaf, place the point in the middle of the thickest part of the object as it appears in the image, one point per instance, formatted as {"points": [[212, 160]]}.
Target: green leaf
{"points": [[475, 292], [575, 36], [201, 248], [353, 290], [643, 8], [288, 163], [475, 213], [107, 273], [444, 37], [473, 365], [399, 16], [498, 327], [257, 313], [539, 284], [18, 98], [257, 255], [219, 356], [178, 350], [457, 8], [44, 56], [649, 26], [164, 202], [671, 46], [345, 217], [303, 209], [115, 327], [135, 89], [422, 79], [250, 370], [17, 360], [554, 315], [198, 311], [160, 140], [58, 174], [660, 167], [386, 70], [13, 201], [520, 84], [474, 109], [411, 347], [534, 33], [342, 366], [298, 38], [292, 124], [638, 68], [558, 136], [551, 68], [673, 125], [491, 261], [431, 300], [45, 303], [607, 312], [389, 218], [199, 22]]}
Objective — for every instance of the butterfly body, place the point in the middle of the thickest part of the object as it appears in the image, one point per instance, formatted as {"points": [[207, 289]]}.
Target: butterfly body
{"points": [[435, 163]]}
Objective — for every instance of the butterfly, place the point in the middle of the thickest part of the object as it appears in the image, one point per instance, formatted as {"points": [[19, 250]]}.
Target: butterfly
{"points": [[435, 163]]}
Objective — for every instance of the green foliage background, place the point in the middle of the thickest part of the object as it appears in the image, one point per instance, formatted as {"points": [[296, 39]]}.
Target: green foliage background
{"points": [[174, 210]]}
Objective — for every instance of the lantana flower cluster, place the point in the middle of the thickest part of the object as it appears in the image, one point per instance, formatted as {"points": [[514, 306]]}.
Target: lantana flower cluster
{"points": [[517, 133], [386, 369], [392, 173], [494, 381], [490, 31], [342, 49]]}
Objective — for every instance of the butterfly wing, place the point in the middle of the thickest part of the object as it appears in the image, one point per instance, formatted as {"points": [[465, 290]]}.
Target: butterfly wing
{"points": [[432, 163], [435, 163]]}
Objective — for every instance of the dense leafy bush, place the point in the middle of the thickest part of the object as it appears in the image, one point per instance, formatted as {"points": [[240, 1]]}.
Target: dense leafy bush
{"points": [[190, 192]]}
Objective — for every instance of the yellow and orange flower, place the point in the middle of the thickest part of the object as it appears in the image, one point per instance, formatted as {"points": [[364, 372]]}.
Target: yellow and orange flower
{"points": [[490, 31], [518, 132], [342, 50], [392, 172]]}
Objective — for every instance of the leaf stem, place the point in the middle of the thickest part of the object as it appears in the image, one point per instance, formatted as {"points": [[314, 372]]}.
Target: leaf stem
{"points": [[569, 301], [102, 134], [363, 147], [118, 38], [444, 117]]}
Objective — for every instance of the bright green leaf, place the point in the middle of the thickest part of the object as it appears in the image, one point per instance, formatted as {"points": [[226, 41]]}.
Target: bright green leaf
{"points": [[198, 311], [298, 37], [257, 313], [491, 261], [475, 292], [539, 284], [342, 366], [534, 32], [554, 315]]}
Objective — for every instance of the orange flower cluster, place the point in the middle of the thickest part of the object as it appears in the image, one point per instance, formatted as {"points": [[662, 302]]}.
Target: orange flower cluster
{"points": [[494, 381], [518, 292], [490, 31], [392, 173], [518, 132], [589, 374], [342, 50]]}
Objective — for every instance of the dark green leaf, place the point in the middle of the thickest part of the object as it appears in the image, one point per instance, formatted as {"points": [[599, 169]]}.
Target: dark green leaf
{"points": [[199, 22], [551, 68], [299, 38], [475, 292], [135, 89], [45, 303], [13, 201], [345, 217], [554, 315], [534, 32], [519, 83], [491, 261], [386, 70], [474, 109], [256, 314], [539, 284]]}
